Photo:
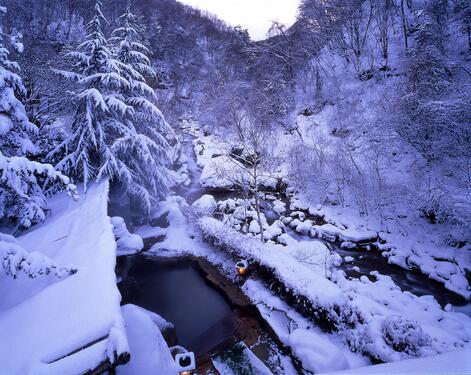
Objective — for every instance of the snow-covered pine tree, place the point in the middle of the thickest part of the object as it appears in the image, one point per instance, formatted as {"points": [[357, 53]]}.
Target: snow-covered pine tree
{"points": [[16, 130], [99, 110], [22, 200], [146, 154]]}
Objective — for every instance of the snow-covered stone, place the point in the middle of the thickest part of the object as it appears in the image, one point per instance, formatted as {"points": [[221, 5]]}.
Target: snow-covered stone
{"points": [[355, 235], [328, 231], [279, 207], [128, 243], [273, 230], [304, 227], [205, 206], [254, 227]]}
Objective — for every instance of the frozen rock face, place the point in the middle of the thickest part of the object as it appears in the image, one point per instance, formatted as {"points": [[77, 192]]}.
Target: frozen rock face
{"points": [[205, 206]]}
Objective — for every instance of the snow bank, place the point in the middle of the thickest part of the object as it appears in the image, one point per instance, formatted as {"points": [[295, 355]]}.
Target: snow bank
{"points": [[149, 352], [160, 322], [317, 351], [456, 362], [39, 333], [298, 278], [414, 244], [365, 313]]}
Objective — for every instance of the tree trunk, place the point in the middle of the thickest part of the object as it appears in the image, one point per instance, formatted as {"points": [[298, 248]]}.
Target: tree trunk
{"points": [[404, 25], [257, 203]]}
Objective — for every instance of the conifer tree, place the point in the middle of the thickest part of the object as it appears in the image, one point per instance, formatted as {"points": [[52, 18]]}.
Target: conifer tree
{"points": [[146, 154], [117, 131], [99, 109], [22, 181]]}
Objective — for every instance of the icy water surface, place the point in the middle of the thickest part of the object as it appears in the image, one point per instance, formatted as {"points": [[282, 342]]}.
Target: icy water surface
{"points": [[179, 293]]}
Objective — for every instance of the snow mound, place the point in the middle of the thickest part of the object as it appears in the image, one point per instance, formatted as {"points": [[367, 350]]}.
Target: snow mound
{"points": [[128, 243], [149, 352], [316, 352], [46, 333], [205, 206], [456, 362]]}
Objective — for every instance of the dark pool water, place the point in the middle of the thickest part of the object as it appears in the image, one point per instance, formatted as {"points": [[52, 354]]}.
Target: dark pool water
{"points": [[179, 293]]}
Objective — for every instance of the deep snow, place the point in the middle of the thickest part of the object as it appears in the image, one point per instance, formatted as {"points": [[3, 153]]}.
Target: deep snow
{"points": [[63, 315]]}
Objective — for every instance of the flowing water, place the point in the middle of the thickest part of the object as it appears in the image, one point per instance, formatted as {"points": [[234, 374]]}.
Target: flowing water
{"points": [[413, 281]]}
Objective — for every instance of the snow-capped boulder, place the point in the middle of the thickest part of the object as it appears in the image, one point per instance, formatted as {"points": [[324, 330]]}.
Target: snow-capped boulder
{"points": [[304, 227], [128, 243], [358, 236], [348, 259], [279, 207], [205, 206], [254, 227], [273, 230], [299, 214]]}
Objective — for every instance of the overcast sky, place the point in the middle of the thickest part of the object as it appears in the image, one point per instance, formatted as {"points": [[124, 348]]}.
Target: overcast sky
{"points": [[254, 15]]}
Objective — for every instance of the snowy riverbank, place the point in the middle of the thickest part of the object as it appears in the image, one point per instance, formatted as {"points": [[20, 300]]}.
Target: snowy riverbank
{"points": [[367, 315]]}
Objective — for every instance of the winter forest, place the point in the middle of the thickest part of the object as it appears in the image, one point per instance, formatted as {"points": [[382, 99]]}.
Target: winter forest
{"points": [[179, 198]]}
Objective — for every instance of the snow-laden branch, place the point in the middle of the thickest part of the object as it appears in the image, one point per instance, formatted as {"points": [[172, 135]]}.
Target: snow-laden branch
{"points": [[12, 169]]}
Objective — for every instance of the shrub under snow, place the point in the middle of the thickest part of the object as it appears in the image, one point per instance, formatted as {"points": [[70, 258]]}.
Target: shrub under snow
{"points": [[404, 335], [15, 259]]}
